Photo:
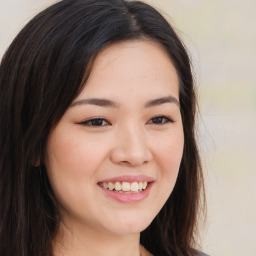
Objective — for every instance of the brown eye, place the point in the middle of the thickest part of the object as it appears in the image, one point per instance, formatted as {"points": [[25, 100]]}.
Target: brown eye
{"points": [[97, 122], [160, 120]]}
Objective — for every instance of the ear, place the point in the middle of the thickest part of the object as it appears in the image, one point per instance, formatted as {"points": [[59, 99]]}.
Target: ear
{"points": [[37, 163]]}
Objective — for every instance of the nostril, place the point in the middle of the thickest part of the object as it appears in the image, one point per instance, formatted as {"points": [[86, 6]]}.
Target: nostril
{"points": [[133, 163], [131, 154]]}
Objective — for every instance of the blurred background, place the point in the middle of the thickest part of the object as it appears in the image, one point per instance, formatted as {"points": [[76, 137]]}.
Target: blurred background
{"points": [[221, 38]]}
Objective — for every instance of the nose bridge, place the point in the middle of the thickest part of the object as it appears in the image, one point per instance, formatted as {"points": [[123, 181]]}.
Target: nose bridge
{"points": [[131, 147], [134, 139]]}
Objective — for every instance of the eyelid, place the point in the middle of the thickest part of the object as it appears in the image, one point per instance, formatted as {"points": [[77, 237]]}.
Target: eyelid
{"points": [[167, 118], [91, 119]]}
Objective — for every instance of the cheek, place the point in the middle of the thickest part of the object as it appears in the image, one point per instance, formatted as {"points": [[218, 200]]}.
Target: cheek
{"points": [[168, 154], [169, 150], [69, 166], [72, 155], [71, 163]]}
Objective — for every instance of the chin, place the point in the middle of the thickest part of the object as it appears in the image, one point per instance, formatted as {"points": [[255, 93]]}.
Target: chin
{"points": [[131, 225]]}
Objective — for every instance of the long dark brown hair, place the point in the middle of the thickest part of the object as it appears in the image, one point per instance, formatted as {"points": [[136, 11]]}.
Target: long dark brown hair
{"points": [[41, 73]]}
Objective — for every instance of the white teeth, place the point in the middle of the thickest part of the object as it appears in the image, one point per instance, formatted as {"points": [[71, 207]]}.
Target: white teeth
{"points": [[111, 186], [135, 187], [125, 186], [118, 186]]}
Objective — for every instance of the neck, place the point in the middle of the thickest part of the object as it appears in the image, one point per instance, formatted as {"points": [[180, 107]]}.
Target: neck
{"points": [[79, 242]]}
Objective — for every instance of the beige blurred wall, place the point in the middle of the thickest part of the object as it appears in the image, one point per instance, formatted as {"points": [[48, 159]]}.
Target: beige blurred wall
{"points": [[221, 38]]}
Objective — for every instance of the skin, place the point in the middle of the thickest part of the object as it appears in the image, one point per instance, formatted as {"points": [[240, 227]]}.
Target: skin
{"points": [[127, 140]]}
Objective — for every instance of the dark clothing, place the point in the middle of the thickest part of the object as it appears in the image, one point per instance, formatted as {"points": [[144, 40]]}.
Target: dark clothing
{"points": [[201, 254]]}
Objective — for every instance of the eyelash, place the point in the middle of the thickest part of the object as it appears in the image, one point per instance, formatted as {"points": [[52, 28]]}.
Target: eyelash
{"points": [[101, 122], [94, 120], [161, 118]]}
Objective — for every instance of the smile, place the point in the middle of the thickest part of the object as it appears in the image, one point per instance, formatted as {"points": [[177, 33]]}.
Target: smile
{"points": [[124, 187], [127, 188]]}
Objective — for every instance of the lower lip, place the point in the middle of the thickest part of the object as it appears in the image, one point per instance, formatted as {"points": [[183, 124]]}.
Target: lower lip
{"points": [[128, 197]]}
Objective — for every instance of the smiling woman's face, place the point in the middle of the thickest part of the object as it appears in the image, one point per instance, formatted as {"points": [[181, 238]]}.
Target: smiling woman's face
{"points": [[114, 157]]}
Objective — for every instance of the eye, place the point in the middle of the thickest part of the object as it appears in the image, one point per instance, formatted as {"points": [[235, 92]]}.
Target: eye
{"points": [[97, 122], [160, 120]]}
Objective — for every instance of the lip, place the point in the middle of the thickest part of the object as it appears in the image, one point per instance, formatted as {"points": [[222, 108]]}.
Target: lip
{"points": [[129, 178], [128, 197]]}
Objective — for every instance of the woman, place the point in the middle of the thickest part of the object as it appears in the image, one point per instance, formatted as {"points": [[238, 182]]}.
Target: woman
{"points": [[98, 150]]}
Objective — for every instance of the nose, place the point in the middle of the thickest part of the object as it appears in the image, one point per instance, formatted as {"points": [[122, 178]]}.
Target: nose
{"points": [[131, 148]]}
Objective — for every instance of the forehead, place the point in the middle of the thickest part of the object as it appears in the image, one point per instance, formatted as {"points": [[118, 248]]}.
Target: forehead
{"points": [[141, 66]]}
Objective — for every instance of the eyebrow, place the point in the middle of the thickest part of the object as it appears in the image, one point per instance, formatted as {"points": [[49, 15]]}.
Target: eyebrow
{"points": [[162, 100], [108, 103], [97, 102]]}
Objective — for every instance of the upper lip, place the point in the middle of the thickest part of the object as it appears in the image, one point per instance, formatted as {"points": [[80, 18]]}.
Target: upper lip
{"points": [[129, 178]]}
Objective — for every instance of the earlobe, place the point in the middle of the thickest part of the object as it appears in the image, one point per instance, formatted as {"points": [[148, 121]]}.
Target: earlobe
{"points": [[37, 163]]}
